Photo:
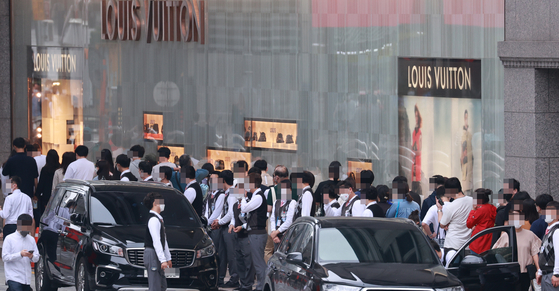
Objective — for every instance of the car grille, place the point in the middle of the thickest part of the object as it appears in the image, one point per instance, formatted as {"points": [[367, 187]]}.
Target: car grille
{"points": [[179, 258]]}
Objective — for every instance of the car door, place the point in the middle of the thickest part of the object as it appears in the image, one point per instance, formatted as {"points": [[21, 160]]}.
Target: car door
{"points": [[50, 229], [277, 262], [496, 268], [72, 213], [298, 275]]}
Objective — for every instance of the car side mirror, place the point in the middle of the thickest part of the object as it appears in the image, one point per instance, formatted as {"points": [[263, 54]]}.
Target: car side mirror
{"points": [[473, 262], [204, 221], [295, 258], [76, 219]]}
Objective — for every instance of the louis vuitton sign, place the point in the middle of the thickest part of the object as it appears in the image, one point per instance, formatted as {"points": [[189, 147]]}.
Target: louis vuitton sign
{"points": [[182, 20]]}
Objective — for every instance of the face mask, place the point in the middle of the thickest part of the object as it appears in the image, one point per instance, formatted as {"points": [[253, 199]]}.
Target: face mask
{"points": [[517, 224], [162, 207], [344, 197], [548, 219], [24, 233]]}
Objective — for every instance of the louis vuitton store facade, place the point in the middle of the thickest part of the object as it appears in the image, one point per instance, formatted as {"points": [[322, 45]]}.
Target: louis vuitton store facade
{"points": [[397, 86]]}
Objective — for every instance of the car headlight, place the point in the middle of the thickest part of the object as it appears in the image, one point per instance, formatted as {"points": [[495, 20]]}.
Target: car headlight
{"points": [[335, 287], [108, 249], [455, 288], [205, 252]]}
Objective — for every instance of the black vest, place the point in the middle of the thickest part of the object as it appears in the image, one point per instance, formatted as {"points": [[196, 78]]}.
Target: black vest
{"points": [[240, 219], [130, 176], [257, 218], [299, 210], [198, 201], [148, 240], [348, 210], [211, 203], [335, 205], [280, 212], [225, 205], [376, 210], [547, 253]]}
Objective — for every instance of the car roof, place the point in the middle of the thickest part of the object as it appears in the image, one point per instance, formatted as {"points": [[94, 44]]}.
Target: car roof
{"points": [[328, 222], [115, 185]]}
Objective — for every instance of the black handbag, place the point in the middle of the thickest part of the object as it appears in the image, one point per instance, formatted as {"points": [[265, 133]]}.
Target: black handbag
{"points": [[262, 137], [289, 138], [279, 139], [255, 136], [531, 269], [247, 136]]}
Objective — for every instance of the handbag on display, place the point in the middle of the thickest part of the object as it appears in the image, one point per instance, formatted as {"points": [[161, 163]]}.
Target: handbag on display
{"points": [[289, 139], [255, 136], [262, 137], [156, 128], [146, 128], [279, 139], [247, 136]]}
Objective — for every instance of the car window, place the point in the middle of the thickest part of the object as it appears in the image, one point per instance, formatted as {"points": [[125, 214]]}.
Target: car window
{"points": [[126, 208], [72, 203], [374, 244], [50, 218], [493, 251], [286, 242], [303, 242]]}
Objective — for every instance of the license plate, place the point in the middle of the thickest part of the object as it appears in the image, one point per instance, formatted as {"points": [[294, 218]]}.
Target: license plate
{"points": [[172, 273]]}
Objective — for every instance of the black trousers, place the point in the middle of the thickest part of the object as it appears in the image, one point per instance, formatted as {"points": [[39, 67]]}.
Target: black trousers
{"points": [[524, 281], [9, 229]]}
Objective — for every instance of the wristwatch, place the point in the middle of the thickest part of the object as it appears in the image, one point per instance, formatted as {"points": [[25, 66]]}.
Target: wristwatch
{"points": [[556, 275], [439, 210]]}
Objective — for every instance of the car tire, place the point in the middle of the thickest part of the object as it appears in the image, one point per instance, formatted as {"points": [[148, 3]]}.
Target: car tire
{"points": [[83, 278], [42, 280]]}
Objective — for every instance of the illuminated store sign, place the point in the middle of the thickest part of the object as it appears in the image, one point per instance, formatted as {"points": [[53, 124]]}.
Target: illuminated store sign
{"points": [[164, 20], [56, 62]]}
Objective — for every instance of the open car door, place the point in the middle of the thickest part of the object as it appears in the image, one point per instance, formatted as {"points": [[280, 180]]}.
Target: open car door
{"points": [[496, 268]]}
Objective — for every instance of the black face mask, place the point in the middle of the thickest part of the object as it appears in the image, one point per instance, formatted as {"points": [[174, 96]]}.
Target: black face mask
{"points": [[24, 233]]}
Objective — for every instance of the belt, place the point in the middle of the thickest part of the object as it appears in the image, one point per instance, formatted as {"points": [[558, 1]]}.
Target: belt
{"points": [[545, 272]]}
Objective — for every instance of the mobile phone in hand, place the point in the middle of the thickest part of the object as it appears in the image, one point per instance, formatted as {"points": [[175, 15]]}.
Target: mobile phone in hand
{"points": [[30, 251]]}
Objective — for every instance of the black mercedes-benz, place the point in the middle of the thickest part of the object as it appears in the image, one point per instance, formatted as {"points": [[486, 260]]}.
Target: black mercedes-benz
{"points": [[92, 237]]}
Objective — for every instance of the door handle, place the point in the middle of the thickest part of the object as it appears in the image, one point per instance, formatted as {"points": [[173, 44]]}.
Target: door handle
{"points": [[288, 273], [274, 267]]}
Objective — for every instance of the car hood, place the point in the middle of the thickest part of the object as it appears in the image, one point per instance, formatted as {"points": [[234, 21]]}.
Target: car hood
{"points": [[133, 236], [375, 274]]}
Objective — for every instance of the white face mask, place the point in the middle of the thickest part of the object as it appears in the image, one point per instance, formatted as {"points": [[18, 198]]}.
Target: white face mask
{"points": [[548, 219], [162, 207], [517, 224], [344, 197]]}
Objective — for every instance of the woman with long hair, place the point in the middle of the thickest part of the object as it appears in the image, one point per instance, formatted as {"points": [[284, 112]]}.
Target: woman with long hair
{"points": [[402, 201], [107, 155], [44, 188], [103, 171], [417, 141], [67, 159]]}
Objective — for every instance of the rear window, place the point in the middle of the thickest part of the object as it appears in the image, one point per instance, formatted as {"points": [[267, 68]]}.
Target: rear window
{"points": [[126, 209], [371, 244]]}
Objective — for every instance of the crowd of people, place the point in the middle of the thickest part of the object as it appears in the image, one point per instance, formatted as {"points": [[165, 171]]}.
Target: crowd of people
{"points": [[247, 211]]}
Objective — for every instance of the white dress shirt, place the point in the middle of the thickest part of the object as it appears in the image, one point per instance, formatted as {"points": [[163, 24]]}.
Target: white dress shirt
{"points": [[124, 178], [154, 226], [218, 208], [190, 193], [134, 168], [80, 169], [16, 267], [41, 162], [329, 211], [307, 201], [229, 215], [288, 219], [367, 212], [16, 204], [253, 204], [148, 178], [356, 210]]}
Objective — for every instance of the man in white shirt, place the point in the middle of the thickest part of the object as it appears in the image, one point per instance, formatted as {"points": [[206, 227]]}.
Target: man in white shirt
{"points": [[431, 218], [18, 251], [351, 203], [164, 155], [145, 171], [454, 218], [137, 153], [330, 198], [305, 201], [16, 204], [123, 166], [548, 274], [39, 158], [81, 168], [157, 256], [372, 209], [283, 212]]}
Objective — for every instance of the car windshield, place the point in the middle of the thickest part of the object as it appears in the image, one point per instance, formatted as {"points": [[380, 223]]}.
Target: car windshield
{"points": [[126, 209], [374, 245]]}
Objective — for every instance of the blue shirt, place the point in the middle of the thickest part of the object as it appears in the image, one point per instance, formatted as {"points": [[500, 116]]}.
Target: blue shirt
{"points": [[403, 208], [539, 226]]}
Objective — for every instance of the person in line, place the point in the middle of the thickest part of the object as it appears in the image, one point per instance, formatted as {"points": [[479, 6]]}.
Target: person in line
{"points": [[528, 246], [107, 155], [283, 212], [267, 180], [23, 166], [431, 220], [16, 204], [226, 243], [238, 227], [5, 179], [365, 181], [67, 159], [548, 273], [305, 207], [351, 203], [481, 218], [123, 166], [257, 210], [178, 177], [435, 182], [454, 218], [331, 197], [333, 179], [530, 213], [165, 174], [40, 159], [18, 251], [44, 188], [510, 188], [414, 216], [136, 153], [157, 256], [402, 201], [539, 226], [383, 197], [103, 169], [193, 191], [164, 155], [372, 209], [81, 168], [213, 210], [145, 171], [272, 195]]}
